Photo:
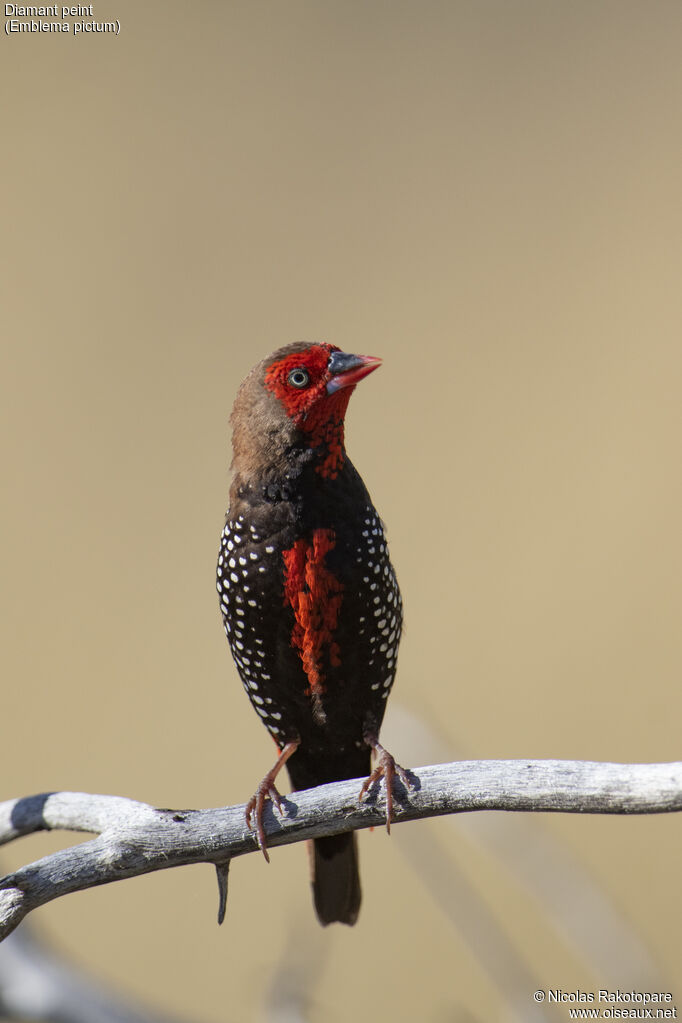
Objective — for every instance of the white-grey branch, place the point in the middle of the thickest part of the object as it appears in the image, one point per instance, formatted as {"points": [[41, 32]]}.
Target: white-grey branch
{"points": [[134, 838]]}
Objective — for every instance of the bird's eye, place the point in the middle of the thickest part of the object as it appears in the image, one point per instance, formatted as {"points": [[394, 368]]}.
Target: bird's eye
{"points": [[299, 377]]}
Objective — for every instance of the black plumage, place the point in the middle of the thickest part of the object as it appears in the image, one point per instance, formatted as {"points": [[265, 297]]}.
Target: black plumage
{"points": [[309, 598]]}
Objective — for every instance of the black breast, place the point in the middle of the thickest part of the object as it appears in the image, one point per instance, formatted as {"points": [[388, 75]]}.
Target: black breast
{"points": [[314, 635]]}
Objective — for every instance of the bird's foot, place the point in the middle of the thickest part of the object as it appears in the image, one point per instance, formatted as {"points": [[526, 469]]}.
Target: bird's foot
{"points": [[267, 790], [386, 768], [254, 811]]}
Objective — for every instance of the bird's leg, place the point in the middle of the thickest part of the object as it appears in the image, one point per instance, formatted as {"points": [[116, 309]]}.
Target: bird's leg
{"points": [[385, 768], [267, 790]]}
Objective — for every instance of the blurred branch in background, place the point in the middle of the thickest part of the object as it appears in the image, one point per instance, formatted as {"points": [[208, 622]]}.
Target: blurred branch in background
{"points": [[37, 984], [135, 838], [573, 906]]}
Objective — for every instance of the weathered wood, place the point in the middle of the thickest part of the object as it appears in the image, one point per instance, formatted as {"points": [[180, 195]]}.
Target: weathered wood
{"points": [[134, 838]]}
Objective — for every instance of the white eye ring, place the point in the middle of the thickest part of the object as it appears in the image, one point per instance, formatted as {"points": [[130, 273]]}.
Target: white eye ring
{"points": [[299, 377]]}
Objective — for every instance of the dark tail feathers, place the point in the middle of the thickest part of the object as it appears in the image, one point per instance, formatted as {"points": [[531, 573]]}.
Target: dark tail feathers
{"points": [[335, 878]]}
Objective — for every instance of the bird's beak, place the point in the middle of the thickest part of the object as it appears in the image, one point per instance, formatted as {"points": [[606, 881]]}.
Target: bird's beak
{"points": [[347, 370]]}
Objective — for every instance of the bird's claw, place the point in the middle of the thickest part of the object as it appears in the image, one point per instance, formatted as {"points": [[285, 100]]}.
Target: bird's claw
{"points": [[386, 768], [267, 790], [254, 812]]}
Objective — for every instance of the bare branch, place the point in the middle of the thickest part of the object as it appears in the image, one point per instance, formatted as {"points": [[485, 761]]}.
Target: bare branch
{"points": [[134, 838]]}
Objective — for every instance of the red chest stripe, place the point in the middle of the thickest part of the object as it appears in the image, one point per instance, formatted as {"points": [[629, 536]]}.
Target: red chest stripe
{"points": [[315, 596]]}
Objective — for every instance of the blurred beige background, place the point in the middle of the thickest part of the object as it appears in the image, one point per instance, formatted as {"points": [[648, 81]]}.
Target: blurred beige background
{"points": [[488, 196]]}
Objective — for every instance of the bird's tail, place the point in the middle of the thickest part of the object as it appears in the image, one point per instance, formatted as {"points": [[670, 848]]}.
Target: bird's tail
{"points": [[336, 879]]}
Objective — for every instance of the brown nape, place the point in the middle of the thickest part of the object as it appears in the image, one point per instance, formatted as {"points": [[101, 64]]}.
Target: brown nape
{"points": [[262, 432]]}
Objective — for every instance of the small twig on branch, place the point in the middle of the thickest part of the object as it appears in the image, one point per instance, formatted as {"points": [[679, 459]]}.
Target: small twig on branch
{"points": [[134, 838]]}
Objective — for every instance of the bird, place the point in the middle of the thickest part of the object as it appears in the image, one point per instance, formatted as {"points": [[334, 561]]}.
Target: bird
{"points": [[308, 595]]}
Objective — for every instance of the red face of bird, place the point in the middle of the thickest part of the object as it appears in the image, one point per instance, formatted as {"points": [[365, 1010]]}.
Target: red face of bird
{"points": [[308, 379], [300, 389]]}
